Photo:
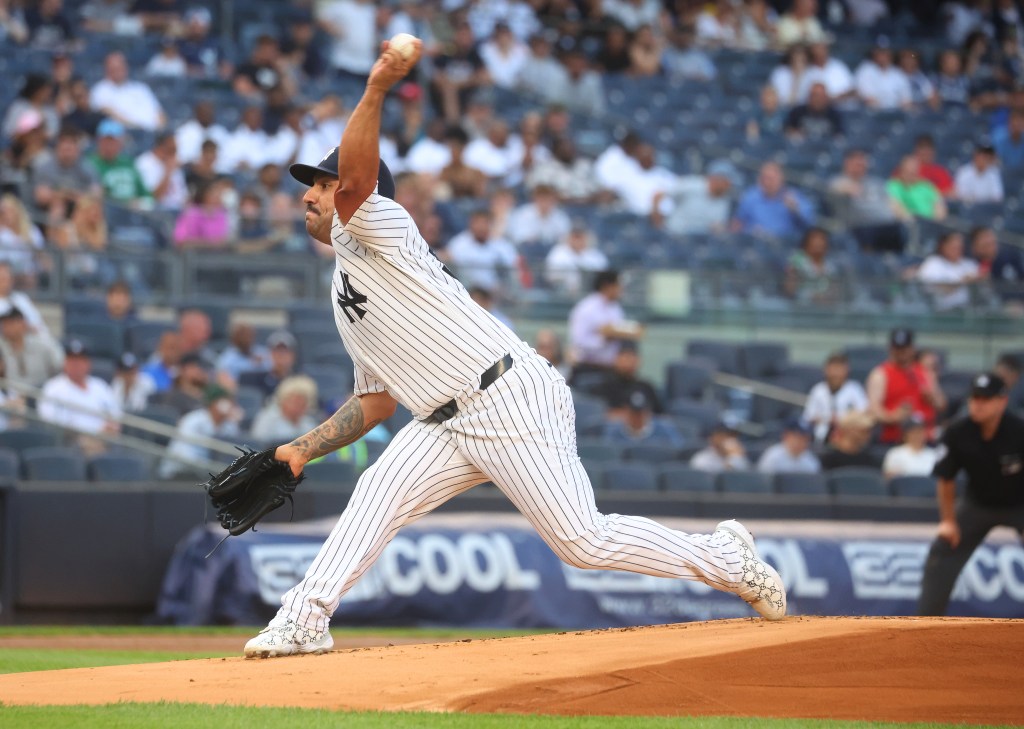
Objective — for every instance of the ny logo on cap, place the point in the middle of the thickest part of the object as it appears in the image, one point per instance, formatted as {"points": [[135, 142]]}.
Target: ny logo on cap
{"points": [[983, 381], [327, 156]]}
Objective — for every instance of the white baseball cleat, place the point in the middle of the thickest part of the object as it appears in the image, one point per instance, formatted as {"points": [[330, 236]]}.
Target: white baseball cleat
{"points": [[287, 639], [762, 586]]}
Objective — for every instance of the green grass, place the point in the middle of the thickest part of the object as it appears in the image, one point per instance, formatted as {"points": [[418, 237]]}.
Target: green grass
{"points": [[175, 716], [76, 630], [20, 660]]}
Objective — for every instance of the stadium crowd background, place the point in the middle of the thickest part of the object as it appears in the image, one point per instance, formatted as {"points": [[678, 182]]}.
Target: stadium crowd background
{"points": [[792, 157]]}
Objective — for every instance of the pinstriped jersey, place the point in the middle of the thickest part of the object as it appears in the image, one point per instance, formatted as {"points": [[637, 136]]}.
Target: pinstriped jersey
{"points": [[410, 327]]}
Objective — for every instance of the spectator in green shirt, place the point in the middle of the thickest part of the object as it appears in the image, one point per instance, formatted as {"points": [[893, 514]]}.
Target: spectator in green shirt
{"points": [[121, 181], [912, 195]]}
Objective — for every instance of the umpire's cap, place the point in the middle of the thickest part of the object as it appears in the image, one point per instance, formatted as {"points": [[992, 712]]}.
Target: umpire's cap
{"points": [[329, 166]]}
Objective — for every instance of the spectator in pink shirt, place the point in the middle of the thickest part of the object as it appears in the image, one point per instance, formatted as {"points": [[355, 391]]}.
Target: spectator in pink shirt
{"points": [[204, 223]]}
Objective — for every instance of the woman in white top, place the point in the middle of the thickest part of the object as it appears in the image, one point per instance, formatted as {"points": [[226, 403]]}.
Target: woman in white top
{"points": [[914, 457], [792, 80], [948, 273], [288, 415], [834, 397]]}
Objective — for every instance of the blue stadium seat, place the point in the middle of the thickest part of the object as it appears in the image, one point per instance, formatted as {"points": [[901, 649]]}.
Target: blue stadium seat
{"points": [[651, 453], [629, 477], [761, 360], [801, 483], [9, 465], [680, 477], [374, 449], [331, 471], [687, 379], [856, 481], [591, 448], [22, 439], [745, 482], [53, 464], [111, 467], [142, 337], [251, 400], [725, 355], [103, 338], [913, 486], [707, 415]]}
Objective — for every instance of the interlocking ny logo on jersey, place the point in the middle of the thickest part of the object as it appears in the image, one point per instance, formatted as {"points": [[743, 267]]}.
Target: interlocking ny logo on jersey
{"points": [[349, 298]]}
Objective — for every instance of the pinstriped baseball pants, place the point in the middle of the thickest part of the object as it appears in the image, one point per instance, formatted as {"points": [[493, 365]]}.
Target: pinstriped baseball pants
{"points": [[520, 434]]}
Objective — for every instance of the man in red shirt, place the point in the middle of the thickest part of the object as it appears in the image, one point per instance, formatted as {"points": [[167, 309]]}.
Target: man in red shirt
{"points": [[924, 151], [901, 387]]}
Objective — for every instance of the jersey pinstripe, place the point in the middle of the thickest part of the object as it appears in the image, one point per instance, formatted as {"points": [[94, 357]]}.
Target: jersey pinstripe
{"points": [[409, 326]]}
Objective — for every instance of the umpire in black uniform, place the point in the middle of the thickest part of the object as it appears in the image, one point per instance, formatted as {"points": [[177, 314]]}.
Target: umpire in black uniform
{"points": [[989, 446]]}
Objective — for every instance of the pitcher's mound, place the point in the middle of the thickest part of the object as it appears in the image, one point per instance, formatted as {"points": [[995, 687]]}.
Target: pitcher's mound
{"points": [[897, 669]]}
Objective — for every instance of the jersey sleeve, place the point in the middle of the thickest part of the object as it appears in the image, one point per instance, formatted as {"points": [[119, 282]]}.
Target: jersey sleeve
{"points": [[381, 224], [949, 465], [366, 383]]}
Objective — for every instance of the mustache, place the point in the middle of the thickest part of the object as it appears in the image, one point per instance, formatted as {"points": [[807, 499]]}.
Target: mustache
{"points": [[312, 209]]}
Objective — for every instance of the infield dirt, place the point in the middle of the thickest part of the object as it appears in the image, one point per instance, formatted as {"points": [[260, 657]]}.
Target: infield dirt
{"points": [[895, 669]]}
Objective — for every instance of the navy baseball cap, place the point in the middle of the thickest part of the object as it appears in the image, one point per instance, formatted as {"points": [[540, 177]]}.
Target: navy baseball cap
{"points": [[987, 385], [901, 337], [329, 166]]}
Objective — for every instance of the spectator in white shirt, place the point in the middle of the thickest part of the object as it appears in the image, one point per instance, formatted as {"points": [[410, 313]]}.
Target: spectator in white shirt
{"points": [[352, 27], [717, 26], [218, 419], [202, 126], [792, 78], [598, 323], [504, 56], [79, 401], [161, 172], [632, 13], [289, 414], [569, 262], [168, 63], [979, 180], [644, 185], [430, 154], [792, 454], [130, 102], [801, 25], [480, 258], [9, 298], [132, 388], [948, 273], [831, 72], [617, 163], [540, 73], [540, 221], [724, 452], [834, 397], [248, 145], [914, 457], [880, 84], [499, 155], [698, 203]]}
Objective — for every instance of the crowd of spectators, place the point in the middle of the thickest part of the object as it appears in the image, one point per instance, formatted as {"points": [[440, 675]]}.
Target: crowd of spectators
{"points": [[83, 141]]}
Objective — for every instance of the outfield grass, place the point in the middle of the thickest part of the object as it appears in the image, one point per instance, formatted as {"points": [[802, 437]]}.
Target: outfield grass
{"points": [[75, 630], [20, 660], [175, 716]]}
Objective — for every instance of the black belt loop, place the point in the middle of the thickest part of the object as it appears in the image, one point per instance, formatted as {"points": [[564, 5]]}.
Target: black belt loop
{"points": [[491, 375]]}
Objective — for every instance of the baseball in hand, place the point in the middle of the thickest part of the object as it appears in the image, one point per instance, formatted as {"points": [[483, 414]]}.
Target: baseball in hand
{"points": [[404, 43]]}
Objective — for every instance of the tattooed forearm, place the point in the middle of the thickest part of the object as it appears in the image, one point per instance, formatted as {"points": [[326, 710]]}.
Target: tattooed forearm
{"points": [[342, 428]]}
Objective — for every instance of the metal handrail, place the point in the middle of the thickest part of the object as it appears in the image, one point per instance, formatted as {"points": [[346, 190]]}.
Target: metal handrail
{"points": [[126, 419]]}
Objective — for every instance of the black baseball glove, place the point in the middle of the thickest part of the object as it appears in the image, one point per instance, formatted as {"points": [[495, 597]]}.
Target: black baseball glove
{"points": [[250, 488]]}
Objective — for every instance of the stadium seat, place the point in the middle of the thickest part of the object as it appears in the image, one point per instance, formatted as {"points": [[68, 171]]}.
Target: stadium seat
{"points": [[706, 414], [331, 471], [53, 464], [251, 400], [725, 355], [142, 337], [332, 381], [745, 482], [588, 409], [102, 338], [21, 439], [399, 420], [856, 481], [9, 465], [651, 453], [762, 360], [687, 379], [629, 477], [915, 486], [103, 368], [118, 467], [801, 483], [374, 449], [593, 448], [161, 414], [680, 477]]}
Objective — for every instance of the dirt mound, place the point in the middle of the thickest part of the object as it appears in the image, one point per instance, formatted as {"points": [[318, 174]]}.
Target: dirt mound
{"points": [[897, 669]]}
